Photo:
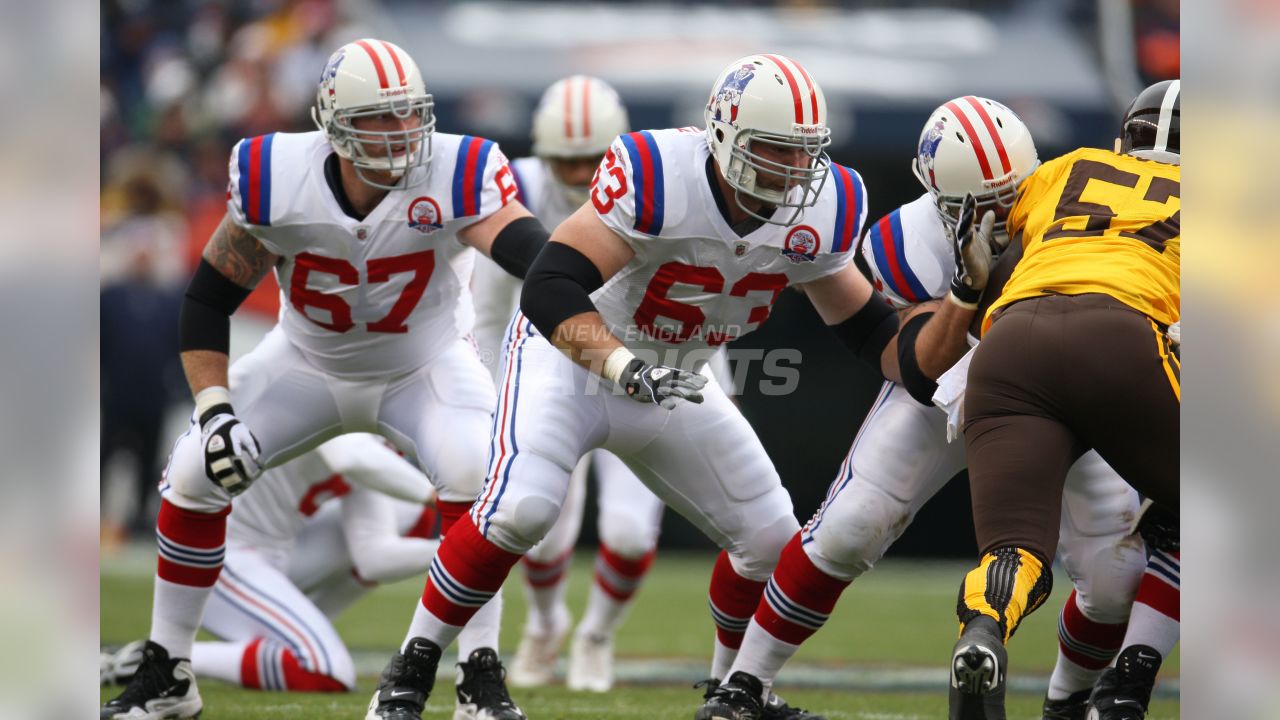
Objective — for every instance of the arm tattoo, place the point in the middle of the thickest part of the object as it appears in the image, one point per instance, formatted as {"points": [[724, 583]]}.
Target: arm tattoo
{"points": [[238, 255]]}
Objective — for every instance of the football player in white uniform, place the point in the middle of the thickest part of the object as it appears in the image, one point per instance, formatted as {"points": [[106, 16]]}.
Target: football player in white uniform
{"points": [[690, 236], [901, 456], [575, 122], [285, 559], [371, 224]]}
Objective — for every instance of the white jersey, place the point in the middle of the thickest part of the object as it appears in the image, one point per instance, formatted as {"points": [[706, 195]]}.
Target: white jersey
{"points": [[540, 193], [497, 293], [909, 254], [271, 513], [373, 297], [694, 283]]}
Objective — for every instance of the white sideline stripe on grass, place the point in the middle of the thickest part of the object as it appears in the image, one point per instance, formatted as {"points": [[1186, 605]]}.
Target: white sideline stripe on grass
{"points": [[677, 671]]}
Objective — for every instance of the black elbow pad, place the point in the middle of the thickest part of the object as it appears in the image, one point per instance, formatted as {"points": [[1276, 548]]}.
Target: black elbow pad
{"points": [[868, 332], [205, 318], [559, 286], [517, 244], [918, 385]]}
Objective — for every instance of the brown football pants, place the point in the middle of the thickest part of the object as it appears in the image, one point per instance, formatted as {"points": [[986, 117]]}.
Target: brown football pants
{"points": [[1053, 378]]}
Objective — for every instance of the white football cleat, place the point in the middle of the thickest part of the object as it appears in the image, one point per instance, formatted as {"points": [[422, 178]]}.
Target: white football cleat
{"points": [[591, 663], [535, 661]]}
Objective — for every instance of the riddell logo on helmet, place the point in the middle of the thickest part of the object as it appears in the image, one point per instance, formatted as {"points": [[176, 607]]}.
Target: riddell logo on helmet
{"points": [[807, 129], [393, 92], [999, 182]]}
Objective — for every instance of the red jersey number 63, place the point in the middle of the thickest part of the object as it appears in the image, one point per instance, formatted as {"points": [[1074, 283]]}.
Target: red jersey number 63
{"points": [[609, 184]]}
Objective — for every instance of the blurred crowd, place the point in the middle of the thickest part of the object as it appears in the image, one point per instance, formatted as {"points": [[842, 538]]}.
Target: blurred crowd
{"points": [[181, 81]]}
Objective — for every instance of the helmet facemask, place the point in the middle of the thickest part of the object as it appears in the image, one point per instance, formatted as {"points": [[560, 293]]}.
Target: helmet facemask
{"points": [[793, 187], [384, 152], [1000, 196], [574, 195]]}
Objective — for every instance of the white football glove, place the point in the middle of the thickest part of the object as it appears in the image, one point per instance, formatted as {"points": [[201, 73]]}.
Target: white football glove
{"points": [[1175, 333], [975, 252], [231, 452]]}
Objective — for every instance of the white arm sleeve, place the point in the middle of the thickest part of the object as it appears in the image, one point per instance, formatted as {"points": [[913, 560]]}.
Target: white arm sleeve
{"points": [[378, 552], [497, 296], [367, 461]]}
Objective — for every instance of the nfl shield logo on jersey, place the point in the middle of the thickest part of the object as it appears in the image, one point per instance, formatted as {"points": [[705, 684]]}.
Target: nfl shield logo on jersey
{"points": [[739, 249], [424, 215], [801, 244]]}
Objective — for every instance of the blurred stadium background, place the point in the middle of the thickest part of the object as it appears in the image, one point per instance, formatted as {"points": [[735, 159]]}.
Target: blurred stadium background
{"points": [[182, 80]]}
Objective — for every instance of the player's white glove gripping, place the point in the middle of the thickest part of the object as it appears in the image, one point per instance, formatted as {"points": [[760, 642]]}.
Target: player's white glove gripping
{"points": [[660, 384], [230, 451], [975, 251]]}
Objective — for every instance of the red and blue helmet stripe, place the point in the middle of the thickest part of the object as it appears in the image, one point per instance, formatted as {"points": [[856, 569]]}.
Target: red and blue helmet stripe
{"points": [[254, 161], [468, 175], [646, 174], [887, 247]]}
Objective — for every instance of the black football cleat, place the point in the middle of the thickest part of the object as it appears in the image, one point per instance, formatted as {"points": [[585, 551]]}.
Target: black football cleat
{"points": [[482, 689], [162, 688], [978, 666], [1071, 708], [1123, 692], [406, 682], [740, 698], [775, 708]]}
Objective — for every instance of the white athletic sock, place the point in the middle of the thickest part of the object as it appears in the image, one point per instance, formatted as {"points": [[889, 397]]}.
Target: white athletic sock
{"points": [[176, 611], [1156, 616], [604, 613], [721, 660], [1069, 678], [219, 660], [762, 655], [426, 625], [547, 608], [482, 630], [1148, 626]]}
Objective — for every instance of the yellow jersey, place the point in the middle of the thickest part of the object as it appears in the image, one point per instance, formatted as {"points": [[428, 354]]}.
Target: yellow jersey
{"points": [[1094, 221]]}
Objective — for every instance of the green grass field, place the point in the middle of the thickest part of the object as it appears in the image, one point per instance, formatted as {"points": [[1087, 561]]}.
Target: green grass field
{"points": [[882, 655]]}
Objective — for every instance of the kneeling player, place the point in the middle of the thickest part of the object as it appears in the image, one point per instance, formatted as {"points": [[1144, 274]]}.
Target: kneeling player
{"points": [[294, 560]]}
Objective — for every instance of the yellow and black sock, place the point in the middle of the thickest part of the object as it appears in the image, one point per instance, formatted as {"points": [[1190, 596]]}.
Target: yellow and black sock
{"points": [[1009, 584]]}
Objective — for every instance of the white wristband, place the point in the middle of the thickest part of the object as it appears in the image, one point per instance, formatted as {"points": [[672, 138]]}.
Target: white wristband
{"points": [[211, 396], [617, 361]]}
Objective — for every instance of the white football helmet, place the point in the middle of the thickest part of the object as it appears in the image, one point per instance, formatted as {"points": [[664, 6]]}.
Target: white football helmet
{"points": [[974, 145], [769, 99], [374, 77], [578, 117]]}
